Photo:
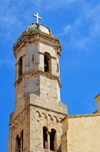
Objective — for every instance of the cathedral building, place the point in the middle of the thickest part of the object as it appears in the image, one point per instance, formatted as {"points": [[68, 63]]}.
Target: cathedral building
{"points": [[40, 122]]}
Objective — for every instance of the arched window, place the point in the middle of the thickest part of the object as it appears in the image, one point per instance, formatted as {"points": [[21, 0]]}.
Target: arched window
{"points": [[20, 66], [47, 62], [18, 144], [53, 140], [45, 140]]}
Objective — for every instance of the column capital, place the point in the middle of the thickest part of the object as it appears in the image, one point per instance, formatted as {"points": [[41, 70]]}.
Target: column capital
{"points": [[48, 132]]}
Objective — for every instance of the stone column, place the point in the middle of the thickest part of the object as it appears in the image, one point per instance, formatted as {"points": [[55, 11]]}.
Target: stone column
{"points": [[48, 136]]}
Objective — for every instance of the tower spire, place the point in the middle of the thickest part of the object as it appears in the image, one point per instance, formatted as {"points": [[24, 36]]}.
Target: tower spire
{"points": [[37, 17]]}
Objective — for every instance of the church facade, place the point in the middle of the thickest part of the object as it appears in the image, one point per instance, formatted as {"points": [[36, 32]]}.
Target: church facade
{"points": [[40, 122]]}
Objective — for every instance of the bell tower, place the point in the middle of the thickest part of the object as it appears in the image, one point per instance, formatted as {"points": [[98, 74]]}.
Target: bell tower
{"points": [[35, 123]]}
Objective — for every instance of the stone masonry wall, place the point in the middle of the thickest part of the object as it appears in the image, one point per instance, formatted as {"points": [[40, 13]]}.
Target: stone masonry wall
{"points": [[21, 122], [83, 134], [29, 84], [27, 52], [52, 51], [39, 118], [57, 107], [49, 89], [37, 101], [19, 100]]}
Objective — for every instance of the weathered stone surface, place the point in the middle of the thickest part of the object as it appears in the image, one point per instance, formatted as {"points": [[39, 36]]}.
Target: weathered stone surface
{"points": [[81, 133], [37, 102], [21, 122]]}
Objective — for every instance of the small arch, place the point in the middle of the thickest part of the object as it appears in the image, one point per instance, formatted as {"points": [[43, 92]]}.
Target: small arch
{"points": [[49, 117], [43, 116], [37, 114], [47, 62], [20, 66], [53, 140], [60, 118], [45, 139], [55, 119], [18, 144]]}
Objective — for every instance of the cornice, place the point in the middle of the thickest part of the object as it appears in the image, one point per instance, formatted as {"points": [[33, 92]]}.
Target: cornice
{"points": [[49, 109], [80, 116], [29, 105], [18, 114], [38, 72], [36, 36]]}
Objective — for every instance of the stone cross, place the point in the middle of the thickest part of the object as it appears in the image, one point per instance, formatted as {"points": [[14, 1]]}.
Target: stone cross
{"points": [[37, 17]]}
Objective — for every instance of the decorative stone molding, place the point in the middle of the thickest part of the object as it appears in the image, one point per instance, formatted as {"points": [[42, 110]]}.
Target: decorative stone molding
{"points": [[41, 115], [80, 116], [35, 36], [38, 72], [17, 122]]}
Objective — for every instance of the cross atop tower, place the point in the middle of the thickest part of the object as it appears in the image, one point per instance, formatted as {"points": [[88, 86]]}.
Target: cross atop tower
{"points": [[37, 17]]}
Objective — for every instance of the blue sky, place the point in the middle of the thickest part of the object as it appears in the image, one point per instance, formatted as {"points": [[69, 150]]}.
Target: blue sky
{"points": [[77, 24]]}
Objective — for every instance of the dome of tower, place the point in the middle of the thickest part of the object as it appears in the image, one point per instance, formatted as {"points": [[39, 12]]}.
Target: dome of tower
{"points": [[38, 27]]}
